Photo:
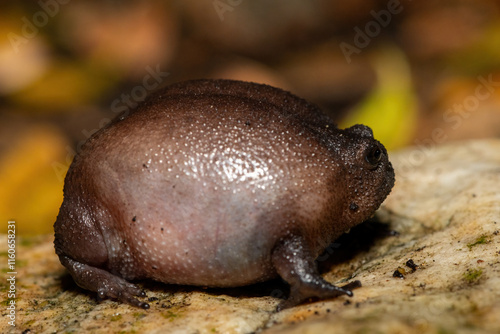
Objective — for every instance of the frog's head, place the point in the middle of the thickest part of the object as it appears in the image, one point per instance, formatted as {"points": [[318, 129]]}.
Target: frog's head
{"points": [[367, 172]]}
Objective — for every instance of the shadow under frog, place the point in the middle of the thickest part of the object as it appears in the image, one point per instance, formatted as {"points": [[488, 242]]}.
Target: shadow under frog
{"points": [[217, 183]]}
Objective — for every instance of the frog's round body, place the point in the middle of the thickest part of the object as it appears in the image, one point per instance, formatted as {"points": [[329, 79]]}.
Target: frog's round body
{"points": [[205, 182]]}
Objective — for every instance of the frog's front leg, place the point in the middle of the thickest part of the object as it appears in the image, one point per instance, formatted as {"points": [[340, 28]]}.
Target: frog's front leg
{"points": [[295, 264]]}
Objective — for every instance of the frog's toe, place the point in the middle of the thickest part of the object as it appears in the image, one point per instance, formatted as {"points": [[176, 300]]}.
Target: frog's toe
{"points": [[123, 291]]}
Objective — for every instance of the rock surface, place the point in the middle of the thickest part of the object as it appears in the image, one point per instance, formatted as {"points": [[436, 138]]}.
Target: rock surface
{"points": [[443, 214]]}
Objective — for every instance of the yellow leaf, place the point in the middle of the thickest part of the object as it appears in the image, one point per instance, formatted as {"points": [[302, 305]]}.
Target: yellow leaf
{"points": [[391, 109], [63, 86], [31, 191]]}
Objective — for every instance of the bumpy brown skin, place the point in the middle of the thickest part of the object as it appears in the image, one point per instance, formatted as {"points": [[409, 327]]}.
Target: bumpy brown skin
{"points": [[217, 183]]}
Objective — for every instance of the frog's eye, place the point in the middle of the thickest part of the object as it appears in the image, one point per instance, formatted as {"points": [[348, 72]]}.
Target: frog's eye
{"points": [[373, 155]]}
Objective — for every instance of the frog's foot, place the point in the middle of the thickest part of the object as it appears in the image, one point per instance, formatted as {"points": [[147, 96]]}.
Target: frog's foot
{"points": [[296, 266], [104, 283], [321, 289]]}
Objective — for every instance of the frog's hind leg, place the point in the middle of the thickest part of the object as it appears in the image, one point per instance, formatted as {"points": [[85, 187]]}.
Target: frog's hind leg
{"points": [[82, 250], [103, 282]]}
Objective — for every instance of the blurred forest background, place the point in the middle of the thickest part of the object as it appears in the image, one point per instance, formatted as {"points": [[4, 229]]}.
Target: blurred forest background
{"points": [[418, 72]]}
